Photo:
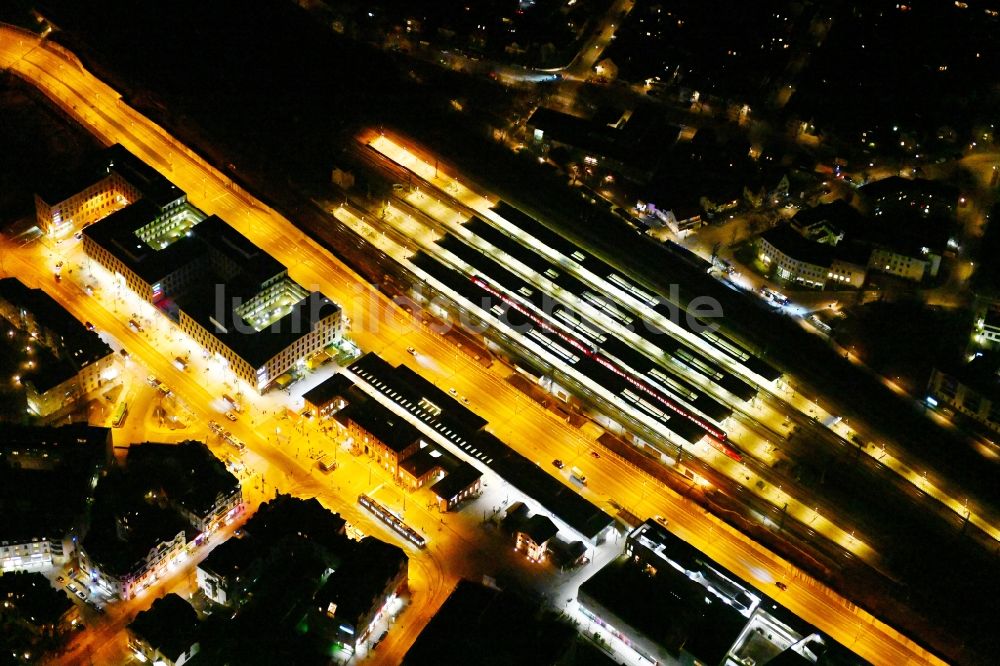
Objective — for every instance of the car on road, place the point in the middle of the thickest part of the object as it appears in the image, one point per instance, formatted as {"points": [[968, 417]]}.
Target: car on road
{"points": [[58, 277], [453, 391], [231, 416], [152, 381], [83, 597], [595, 454], [558, 463], [465, 400], [661, 520], [781, 586], [72, 588], [59, 579], [88, 325], [214, 427], [411, 351]]}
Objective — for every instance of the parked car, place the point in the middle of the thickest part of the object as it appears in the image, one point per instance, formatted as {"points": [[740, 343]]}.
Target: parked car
{"points": [[231, 416]]}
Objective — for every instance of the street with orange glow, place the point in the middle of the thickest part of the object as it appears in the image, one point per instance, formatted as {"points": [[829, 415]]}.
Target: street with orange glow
{"points": [[278, 447]]}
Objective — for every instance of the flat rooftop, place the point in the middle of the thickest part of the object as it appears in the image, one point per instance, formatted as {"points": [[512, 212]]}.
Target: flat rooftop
{"points": [[117, 233], [254, 346], [385, 425], [79, 347], [188, 472], [562, 501], [329, 389]]}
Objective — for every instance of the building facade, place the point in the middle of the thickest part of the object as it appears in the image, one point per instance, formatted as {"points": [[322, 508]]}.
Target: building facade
{"points": [[57, 216], [916, 268], [132, 580], [233, 298], [972, 390], [360, 592], [380, 434], [796, 259], [67, 362], [36, 554], [461, 484]]}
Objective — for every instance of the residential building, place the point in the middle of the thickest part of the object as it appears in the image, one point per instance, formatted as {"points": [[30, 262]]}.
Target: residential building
{"points": [[147, 511], [824, 223], [166, 633], [34, 615], [47, 476], [925, 197], [971, 389], [460, 484], [793, 258], [361, 591], [227, 574], [193, 481], [533, 535], [913, 266], [281, 527], [128, 550], [286, 518], [897, 240], [64, 363], [909, 228], [987, 323], [684, 218]]}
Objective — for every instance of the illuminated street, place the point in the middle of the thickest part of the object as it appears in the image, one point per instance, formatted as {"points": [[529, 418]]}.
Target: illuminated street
{"points": [[379, 326]]}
